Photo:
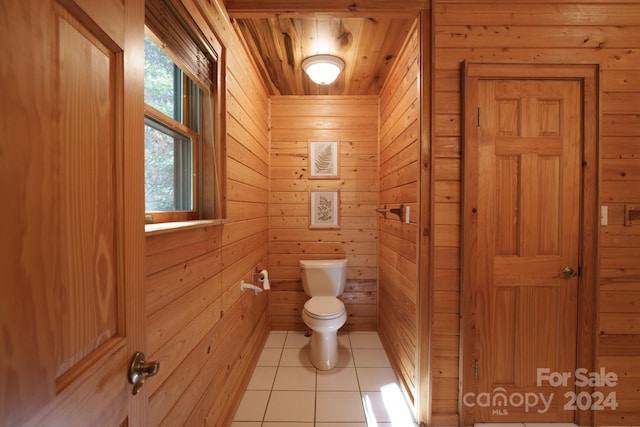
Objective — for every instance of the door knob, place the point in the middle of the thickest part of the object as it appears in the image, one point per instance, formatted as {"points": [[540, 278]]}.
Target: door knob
{"points": [[568, 272], [140, 370]]}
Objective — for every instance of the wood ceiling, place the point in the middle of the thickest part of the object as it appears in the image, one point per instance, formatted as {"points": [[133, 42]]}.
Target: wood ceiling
{"points": [[367, 35]]}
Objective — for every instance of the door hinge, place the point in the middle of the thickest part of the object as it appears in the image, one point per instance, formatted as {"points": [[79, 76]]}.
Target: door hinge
{"points": [[478, 116], [475, 369]]}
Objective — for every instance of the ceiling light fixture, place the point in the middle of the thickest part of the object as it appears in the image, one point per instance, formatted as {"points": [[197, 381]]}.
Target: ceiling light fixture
{"points": [[323, 69]]}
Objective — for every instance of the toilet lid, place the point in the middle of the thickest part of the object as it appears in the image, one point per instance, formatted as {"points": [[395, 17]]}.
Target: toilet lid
{"points": [[324, 307]]}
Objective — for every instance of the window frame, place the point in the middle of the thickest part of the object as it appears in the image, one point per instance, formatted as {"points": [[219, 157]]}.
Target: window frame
{"points": [[211, 153]]}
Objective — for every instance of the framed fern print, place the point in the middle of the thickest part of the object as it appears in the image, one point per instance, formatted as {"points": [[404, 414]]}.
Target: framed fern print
{"points": [[324, 207], [323, 159]]}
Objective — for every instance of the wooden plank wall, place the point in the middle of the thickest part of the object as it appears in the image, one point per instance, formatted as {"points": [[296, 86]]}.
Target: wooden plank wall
{"points": [[592, 32], [399, 174], [353, 121], [206, 334]]}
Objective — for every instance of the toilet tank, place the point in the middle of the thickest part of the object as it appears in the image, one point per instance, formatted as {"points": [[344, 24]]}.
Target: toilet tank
{"points": [[323, 277]]}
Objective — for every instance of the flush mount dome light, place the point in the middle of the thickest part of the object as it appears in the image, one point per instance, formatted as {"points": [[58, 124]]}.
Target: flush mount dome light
{"points": [[323, 69]]}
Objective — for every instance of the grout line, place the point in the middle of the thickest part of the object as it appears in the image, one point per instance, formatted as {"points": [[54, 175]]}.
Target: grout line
{"points": [[348, 342]]}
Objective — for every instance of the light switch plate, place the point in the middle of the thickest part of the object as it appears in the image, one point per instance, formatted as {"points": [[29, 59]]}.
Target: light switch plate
{"points": [[604, 215]]}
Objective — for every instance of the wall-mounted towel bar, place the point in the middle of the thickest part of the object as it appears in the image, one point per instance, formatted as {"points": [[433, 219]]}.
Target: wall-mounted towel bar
{"points": [[396, 211]]}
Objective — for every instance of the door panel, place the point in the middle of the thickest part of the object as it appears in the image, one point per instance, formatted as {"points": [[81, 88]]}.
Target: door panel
{"points": [[88, 316], [527, 175], [69, 304]]}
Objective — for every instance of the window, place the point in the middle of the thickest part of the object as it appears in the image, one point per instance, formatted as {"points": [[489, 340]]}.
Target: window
{"points": [[170, 138], [182, 110], [170, 167]]}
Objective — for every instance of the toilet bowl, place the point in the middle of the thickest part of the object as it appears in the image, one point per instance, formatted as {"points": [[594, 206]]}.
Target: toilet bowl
{"points": [[324, 313]]}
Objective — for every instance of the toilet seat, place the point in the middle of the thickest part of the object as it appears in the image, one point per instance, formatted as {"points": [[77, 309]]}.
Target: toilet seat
{"points": [[324, 307]]}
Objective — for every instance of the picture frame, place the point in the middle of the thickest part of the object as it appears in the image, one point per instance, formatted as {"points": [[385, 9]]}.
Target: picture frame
{"points": [[324, 208], [324, 157]]}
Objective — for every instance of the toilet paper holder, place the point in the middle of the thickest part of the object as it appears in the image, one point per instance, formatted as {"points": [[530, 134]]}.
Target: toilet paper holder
{"points": [[244, 285], [259, 277]]}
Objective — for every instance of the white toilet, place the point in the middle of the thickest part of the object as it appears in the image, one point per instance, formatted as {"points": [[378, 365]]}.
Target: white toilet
{"points": [[324, 313]]}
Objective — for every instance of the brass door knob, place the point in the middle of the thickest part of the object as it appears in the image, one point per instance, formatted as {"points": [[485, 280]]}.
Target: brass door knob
{"points": [[568, 272], [140, 370]]}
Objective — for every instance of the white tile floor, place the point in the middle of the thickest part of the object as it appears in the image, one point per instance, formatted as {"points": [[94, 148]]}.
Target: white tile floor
{"points": [[287, 391]]}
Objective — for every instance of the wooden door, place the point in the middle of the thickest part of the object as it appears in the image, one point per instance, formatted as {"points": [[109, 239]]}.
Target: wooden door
{"points": [[523, 187], [71, 244]]}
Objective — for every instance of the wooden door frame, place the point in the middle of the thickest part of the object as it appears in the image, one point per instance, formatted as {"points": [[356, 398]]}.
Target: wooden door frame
{"points": [[587, 75]]}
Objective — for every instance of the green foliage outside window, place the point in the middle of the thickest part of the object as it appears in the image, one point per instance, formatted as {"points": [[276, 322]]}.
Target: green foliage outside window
{"points": [[168, 156], [159, 80]]}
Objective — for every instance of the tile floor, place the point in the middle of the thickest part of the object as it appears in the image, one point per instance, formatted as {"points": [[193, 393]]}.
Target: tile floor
{"points": [[287, 391]]}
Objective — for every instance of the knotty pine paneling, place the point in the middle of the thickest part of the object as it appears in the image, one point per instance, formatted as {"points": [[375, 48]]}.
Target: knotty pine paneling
{"points": [[399, 183], [205, 332], [353, 121], [592, 32]]}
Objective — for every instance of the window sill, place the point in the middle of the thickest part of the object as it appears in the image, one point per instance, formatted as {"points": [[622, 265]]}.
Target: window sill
{"points": [[168, 227]]}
